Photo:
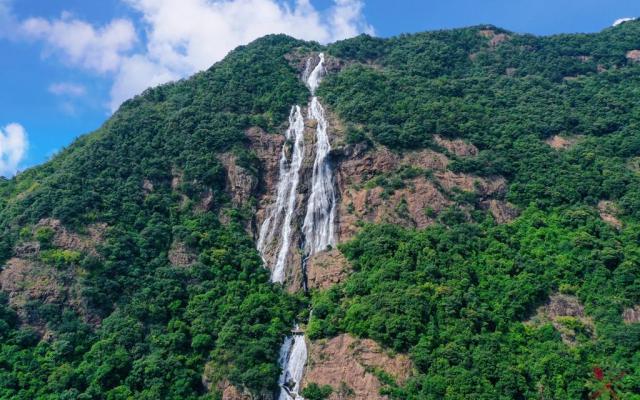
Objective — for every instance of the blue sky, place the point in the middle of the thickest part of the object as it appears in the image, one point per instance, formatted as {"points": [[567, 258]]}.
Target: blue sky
{"points": [[66, 65]]}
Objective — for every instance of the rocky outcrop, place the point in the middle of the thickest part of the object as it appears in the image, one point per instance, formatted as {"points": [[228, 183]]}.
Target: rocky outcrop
{"points": [[631, 315], [457, 146], [633, 55], [416, 205], [27, 281], [566, 314], [562, 142], [503, 212], [147, 186], [349, 366], [241, 183], [608, 211], [180, 255], [326, 269], [65, 239], [495, 39]]}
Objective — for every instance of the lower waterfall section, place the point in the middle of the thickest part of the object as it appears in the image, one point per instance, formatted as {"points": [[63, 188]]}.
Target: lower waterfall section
{"points": [[293, 357]]}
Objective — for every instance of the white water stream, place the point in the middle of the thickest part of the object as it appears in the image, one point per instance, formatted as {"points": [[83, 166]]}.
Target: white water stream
{"points": [[293, 357], [282, 212], [318, 226]]}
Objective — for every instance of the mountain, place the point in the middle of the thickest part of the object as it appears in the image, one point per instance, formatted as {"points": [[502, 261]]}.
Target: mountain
{"points": [[449, 214]]}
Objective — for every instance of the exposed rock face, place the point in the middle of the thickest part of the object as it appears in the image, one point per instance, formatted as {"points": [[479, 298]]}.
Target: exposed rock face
{"points": [[503, 212], [608, 210], [65, 239], [457, 147], [631, 315], [408, 206], [326, 269], [181, 256], [633, 55], [25, 281], [147, 186], [241, 183], [561, 142], [494, 38], [561, 310], [345, 364]]}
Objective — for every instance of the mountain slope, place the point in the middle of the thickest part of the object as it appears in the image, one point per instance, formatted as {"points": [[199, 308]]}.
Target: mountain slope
{"points": [[130, 268]]}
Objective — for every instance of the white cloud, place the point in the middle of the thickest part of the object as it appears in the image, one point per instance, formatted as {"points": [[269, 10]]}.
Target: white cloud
{"points": [[183, 36], [79, 43], [622, 20], [67, 89], [13, 148]]}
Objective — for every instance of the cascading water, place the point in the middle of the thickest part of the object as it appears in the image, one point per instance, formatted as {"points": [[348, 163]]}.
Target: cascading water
{"points": [[293, 357], [318, 224], [282, 212], [317, 229]]}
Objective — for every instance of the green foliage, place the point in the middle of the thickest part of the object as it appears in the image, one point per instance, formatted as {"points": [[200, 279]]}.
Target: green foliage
{"points": [[313, 391], [454, 298], [59, 257], [160, 324]]}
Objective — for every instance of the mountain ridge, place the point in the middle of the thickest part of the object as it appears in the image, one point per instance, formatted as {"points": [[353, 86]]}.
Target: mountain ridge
{"points": [[130, 267]]}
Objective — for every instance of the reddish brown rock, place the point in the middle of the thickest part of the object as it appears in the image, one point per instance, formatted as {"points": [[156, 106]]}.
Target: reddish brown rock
{"points": [[494, 38], [469, 183], [25, 281], [557, 310], [503, 212], [180, 255], [240, 182], [633, 55], [631, 315], [562, 142], [344, 363], [65, 239], [457, 146], [608, 211], [326, 269], [415, 205]]}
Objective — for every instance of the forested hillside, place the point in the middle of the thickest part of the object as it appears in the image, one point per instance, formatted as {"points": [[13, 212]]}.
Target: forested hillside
{"points": [[489, 208]]}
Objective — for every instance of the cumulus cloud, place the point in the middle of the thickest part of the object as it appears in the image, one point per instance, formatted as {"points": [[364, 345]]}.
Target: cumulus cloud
{"points": [[182, 36], [13, 148], [622, 20], [67, 89], [99, 49], [185, 36]]}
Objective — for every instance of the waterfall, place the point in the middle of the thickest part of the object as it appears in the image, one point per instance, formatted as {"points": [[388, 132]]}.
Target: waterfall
{"points": [[319, 221], [318, 226], [293, 357], [281, 213]]}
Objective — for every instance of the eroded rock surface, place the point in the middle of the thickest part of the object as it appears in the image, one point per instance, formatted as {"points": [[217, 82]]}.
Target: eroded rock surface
{"points": [[457, 146], [631, 315], [566, 314], [326, 269], [562, 142], [241, 183], [348, 364], [608, 211], [633, 55], [503, 212]]}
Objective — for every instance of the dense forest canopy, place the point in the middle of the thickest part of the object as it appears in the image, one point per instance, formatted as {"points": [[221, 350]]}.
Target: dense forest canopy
{"points": [[459, 297]]}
